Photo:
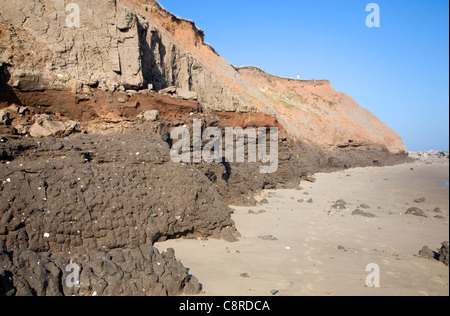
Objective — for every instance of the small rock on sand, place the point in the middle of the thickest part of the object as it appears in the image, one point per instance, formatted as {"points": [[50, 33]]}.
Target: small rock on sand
{"points": [[268, 237], [311, 179], [358, 212], [421, 200], [340, 205], [442, 256], [444, 253], [416, 212], [427, 253]]}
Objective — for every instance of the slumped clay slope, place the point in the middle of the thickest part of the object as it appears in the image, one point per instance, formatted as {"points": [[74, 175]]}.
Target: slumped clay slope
{"points": [[321, 115]]}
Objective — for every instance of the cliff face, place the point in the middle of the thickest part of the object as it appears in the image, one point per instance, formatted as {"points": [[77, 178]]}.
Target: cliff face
{"points": [[119, 43], [136, 44], [115, 187], [321, 115]]}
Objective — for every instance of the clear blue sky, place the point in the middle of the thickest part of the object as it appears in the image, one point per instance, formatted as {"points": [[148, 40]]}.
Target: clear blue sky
{"points": [[399, 71]]}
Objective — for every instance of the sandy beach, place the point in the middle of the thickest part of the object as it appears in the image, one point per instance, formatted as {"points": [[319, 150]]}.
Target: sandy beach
{"points": [[296, 247]]}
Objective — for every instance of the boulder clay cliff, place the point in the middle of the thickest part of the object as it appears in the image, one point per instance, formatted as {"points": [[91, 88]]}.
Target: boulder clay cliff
{"points": [[134, 44], [85, 178]]}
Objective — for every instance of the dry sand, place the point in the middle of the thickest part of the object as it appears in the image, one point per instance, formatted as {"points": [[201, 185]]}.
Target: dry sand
{"points": [[305, 260]]}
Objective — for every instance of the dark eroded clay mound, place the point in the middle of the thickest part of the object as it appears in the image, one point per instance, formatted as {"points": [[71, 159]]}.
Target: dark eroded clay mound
{"points": [[89, 192], [141, 271]]}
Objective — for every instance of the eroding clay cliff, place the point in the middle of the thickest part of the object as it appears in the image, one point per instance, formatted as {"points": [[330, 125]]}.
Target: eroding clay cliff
{"points": [[138, 272], [119, 44], [321, 115], [138, 45], [85, 116]]}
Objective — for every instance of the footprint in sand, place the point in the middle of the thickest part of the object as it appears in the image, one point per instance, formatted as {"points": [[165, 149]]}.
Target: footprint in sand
{"points": [[307, 289], [284, 284]]}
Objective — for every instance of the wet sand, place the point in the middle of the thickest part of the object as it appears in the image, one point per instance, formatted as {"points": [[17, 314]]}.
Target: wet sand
{"points": [[323, 251]]}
